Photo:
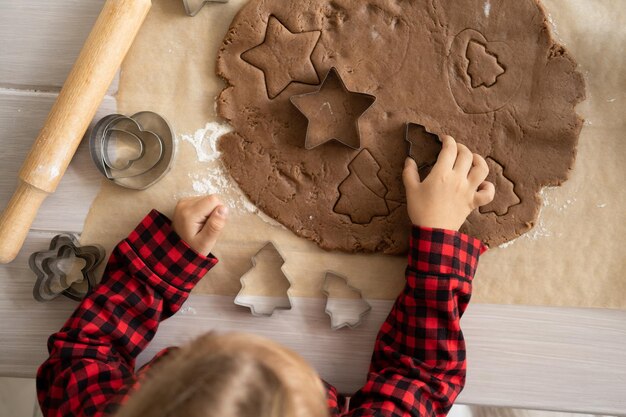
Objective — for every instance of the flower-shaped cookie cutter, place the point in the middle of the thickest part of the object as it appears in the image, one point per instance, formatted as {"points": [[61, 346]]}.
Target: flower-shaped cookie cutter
{"points": [[134, 152], [264, 306], [344, 312], [193, 7], [51, 268]]}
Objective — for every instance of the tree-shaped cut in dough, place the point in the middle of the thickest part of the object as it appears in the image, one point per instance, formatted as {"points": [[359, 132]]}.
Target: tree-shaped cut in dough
{"points": [[483, 67], [362, 193], [271, 285], [505, 190], [284, 57]]}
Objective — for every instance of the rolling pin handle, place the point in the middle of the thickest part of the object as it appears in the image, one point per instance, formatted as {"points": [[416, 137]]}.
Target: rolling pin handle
{"points": [[17, 218]]}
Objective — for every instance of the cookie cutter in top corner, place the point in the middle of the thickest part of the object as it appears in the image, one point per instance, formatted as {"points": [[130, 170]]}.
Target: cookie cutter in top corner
{"points": [[334, 72], [264, 306], [344, 312], [148, 138], [193, 7], [52, 279]]}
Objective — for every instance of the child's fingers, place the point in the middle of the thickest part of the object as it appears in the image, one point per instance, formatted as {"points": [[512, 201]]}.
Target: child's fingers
{"points": [[213, 227], [479, 171], [202, 207], [410, 174], [447, 156], [485, 194], [464, 159]]}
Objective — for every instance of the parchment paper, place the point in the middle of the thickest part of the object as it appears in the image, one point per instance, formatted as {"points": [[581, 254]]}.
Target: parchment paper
{"points": [[573, 257]]}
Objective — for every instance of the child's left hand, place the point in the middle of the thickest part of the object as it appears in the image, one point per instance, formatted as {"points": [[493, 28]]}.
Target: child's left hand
{"points": [[199, 221]]}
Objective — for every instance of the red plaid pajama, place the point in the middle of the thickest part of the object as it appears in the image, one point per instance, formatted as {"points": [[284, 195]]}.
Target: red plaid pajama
{"points": [[418, 364]]}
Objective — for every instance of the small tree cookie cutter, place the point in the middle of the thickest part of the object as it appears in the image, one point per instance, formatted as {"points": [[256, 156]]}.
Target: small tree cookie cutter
{"points": [[134, 152], [344, 312], [193, 7], [264, 306], [432, 145], [50, 268]]}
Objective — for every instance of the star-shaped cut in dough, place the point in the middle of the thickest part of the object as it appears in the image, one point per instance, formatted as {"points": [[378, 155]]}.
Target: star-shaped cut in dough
{"points": [[333, 112], [284, 57]]}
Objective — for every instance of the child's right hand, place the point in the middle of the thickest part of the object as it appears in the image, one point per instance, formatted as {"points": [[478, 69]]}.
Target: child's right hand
{"points": [[454, 188], [199, 221]]}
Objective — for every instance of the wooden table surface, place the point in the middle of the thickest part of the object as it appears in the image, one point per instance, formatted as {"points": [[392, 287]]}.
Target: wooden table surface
{"points": [[566, 359]]}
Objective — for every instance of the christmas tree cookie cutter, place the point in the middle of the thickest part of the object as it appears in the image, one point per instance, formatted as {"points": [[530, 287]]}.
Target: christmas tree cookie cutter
{"points": [[193, 7], [423, 147], [268, 261], [56, 268], [134, 152], [345, 304]]}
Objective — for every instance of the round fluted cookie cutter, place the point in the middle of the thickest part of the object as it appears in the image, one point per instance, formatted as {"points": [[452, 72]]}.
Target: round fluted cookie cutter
{"points": [[149, 133]]}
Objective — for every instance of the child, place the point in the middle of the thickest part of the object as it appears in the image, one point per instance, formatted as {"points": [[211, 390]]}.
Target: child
{"points": [[418, 365]]}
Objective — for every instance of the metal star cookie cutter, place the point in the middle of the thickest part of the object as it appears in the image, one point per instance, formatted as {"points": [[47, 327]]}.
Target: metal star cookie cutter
{"points": [[344, 312], [134, 152], [52, 277], [333, 72], [193, 7], [263, 306]]}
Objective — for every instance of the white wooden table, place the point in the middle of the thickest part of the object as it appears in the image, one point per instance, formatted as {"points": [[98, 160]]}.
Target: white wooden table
{"points": [[563, 359]]}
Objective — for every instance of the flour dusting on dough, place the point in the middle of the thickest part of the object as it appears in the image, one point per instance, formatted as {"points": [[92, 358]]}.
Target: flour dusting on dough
{"points": [[487, 8]]}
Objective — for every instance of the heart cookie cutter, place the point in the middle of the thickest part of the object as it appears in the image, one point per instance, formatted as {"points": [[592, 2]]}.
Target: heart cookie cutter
{"points": [[268, 260], [193, 7], [56, 268], [343, 311], [134, 152]]}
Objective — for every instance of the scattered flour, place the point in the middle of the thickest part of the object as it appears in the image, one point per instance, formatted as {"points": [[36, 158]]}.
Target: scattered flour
{"points": [[487, 8], [188, 311], [214, 179], [555, 32], [205, 140], [603, 205]]}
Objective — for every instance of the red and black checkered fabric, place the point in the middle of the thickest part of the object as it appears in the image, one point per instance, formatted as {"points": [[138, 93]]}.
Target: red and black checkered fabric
{"points": [[418, 366], [90, 370]]}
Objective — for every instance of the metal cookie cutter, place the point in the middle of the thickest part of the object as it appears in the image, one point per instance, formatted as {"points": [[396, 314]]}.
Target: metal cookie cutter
{"points": [[134, 152], [193, 7], [267, 262], [56, 269], [332, 79], [345, 304], [423, 147]]}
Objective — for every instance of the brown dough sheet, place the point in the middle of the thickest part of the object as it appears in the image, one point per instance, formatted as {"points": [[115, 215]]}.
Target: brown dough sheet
{"points": [[573, 257], [495, 80]]}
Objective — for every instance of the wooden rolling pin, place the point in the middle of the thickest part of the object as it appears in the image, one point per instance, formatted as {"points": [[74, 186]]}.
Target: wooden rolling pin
{"points": [[73, 111]]}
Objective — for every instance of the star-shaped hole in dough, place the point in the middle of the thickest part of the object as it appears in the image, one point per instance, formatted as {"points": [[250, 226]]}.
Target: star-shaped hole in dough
{"points": [[333, 112], [284, 57]]}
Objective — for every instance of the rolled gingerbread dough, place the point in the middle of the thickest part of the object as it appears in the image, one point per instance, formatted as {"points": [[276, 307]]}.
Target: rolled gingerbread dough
{"points": [[573, 256], [496, 80]]}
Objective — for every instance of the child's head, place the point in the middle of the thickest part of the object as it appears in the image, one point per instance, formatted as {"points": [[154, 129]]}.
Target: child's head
{"points": [[230, 375]]}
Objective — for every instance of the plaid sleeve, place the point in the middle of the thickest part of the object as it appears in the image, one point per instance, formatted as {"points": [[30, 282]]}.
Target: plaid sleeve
{"points": [[418, 365], [92, 358]]}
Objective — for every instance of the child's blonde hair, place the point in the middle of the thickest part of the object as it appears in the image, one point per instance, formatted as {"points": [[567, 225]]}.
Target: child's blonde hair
{"points": [[230, 375]]}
